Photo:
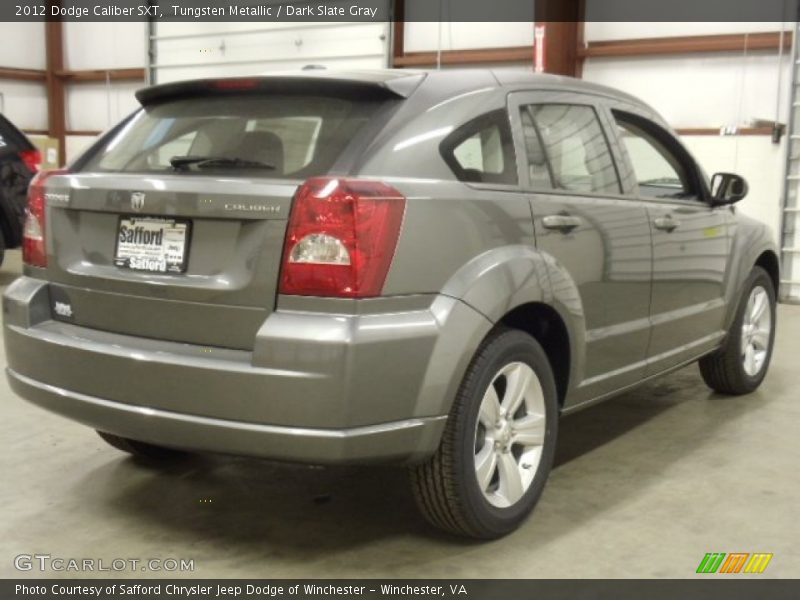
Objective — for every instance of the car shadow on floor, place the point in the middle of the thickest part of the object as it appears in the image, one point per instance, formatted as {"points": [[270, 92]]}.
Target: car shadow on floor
{"points": [[300, 512]]}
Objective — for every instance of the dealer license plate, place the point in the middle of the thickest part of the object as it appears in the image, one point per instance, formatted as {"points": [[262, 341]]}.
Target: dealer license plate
{"points": [[152, 244]]}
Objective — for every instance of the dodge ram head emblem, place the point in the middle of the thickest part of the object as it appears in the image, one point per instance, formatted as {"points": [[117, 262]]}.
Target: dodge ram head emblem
{"points": [[137, 201]]}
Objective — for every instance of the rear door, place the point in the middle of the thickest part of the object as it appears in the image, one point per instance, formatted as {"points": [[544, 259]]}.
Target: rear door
{"points": [[691, 242], [599, 238], [173, 227]]}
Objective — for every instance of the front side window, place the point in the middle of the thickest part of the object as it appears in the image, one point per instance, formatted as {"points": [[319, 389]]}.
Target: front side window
{"points": [[482, 150], [576, 148], [659, 171]]}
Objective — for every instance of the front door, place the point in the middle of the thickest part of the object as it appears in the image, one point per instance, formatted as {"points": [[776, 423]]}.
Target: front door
{"points": [[691, 243]]}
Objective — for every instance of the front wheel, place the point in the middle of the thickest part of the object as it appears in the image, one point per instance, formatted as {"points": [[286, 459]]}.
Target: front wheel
{"points": [[497, 448], [741, 364]]}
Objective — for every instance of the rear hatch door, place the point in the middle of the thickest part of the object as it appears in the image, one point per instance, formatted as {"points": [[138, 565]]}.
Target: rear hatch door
{"points": [[172, 226]]}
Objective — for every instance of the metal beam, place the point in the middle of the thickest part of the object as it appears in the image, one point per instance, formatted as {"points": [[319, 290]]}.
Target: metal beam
{"points": [[716, 131], [101, 75], [695, 44], [457, 57], [54, 50], [22, 74]]}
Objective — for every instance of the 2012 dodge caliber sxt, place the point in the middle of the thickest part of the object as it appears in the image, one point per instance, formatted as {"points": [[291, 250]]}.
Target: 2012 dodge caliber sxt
{"points": [[386, 267]]}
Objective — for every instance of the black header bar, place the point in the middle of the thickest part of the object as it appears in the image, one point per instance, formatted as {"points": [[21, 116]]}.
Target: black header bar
{"points": [[293, 11]]}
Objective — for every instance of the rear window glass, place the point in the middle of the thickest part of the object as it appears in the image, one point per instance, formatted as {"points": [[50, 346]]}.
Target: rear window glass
{"points": [[296, 136]]}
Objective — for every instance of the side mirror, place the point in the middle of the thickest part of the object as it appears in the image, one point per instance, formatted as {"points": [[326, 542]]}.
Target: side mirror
{"points": [[727, 188]]}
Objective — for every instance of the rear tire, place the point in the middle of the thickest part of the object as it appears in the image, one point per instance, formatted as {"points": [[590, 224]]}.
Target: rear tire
{"points": [[741, 364], [141, 449], [497, 447]]}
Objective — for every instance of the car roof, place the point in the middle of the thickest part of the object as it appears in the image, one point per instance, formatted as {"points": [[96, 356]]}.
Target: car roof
{"points": [[518, 78], [531, 80], [441, 84]]}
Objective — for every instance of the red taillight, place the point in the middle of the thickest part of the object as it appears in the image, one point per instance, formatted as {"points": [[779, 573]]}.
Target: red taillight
{"points": [[341, 238], [34, 252], [32, 160]]}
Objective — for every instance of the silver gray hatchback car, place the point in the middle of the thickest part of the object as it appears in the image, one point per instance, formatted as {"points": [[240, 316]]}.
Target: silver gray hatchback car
{"points": [[387, 267]]}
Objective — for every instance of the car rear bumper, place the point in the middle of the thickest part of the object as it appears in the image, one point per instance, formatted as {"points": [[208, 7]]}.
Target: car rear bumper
{"points": [[317, 387], [387, 442]]}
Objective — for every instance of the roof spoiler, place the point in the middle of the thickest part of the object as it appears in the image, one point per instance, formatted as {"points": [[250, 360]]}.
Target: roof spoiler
{"points": [[395, 87]]}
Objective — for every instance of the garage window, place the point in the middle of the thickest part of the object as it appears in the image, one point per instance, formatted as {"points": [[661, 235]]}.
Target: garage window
{"points": [[482, 151]]}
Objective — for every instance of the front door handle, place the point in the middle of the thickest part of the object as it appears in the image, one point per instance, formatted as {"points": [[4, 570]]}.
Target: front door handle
{"points": [[667, 223], [562, 223]]}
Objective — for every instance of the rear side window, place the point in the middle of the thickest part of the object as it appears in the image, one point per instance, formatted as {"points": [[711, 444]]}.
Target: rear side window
{"points": [[482, 150], [576, 147], [298, 136]]}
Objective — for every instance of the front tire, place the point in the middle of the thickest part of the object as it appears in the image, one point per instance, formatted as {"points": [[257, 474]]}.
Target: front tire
{"points": [[498, 445], [741, 364]]}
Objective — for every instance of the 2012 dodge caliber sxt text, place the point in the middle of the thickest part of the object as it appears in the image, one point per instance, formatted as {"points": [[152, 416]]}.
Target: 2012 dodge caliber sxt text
{"points": [[383, 267]]}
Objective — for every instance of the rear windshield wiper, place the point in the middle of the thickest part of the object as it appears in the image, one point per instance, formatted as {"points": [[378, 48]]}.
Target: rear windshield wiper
{"points": [[215, 162]]}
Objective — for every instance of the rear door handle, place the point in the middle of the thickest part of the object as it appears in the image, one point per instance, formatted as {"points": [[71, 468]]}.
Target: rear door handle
{"points": [[667, 224], [562, 223]]}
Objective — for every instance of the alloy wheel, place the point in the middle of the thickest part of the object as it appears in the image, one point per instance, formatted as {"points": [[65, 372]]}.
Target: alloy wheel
{"points": [[509, 434], [756, 331]]}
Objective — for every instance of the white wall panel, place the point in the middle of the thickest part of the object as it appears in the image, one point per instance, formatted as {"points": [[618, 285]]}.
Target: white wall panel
{"points": [[228, 49], [97, 106], [94, 107], [76, 144], [709, 90], [103, 45], [424, 37], [22, 45], [201, 71], [757, 159], [25, 103]]}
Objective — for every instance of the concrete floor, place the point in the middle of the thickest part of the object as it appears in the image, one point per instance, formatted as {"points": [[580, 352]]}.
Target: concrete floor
{"points": [[644, 486]]}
